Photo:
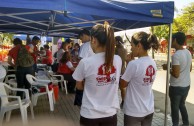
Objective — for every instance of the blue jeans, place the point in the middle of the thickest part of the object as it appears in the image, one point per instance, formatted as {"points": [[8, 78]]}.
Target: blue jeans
{"points": [[21, 79], [35, 68], [178, 96]]}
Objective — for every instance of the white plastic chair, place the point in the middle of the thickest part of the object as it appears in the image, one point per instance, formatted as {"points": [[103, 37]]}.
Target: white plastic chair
{"points": [[12, 82], [56, 80], [2, 73], [7, 107], [37, 82]]}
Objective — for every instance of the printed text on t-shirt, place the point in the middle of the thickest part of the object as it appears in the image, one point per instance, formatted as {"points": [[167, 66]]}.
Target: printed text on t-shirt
{"points": [[105, 78], [150, 72]]}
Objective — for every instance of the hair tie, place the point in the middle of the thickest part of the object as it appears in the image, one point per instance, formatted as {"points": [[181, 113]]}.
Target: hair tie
{"points": [[106, 27]]}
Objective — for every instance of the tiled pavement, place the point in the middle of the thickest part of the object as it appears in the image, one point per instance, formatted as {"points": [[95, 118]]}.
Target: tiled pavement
{"points": [[65, 114]]}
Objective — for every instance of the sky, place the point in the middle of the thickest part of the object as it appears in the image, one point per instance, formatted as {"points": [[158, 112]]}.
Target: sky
{"points": [[179, 3]]}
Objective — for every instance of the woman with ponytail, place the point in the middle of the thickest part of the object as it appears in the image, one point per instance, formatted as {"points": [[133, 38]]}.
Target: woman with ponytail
{"points": [[98, 76], [138, 79]]}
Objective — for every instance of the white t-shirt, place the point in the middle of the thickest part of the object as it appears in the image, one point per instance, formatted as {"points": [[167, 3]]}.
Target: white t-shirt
{"points": [[31, 47], [69, 64], [85, 50], [183, 59], [139, 99], [100, 97], [60, 54]]}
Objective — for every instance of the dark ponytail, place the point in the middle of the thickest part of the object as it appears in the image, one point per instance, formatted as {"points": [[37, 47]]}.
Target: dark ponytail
{"points": [[147, 40], [105, 36], [154, 44]]}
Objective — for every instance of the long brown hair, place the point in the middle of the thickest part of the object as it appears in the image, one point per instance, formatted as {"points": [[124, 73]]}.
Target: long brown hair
{"points": [[104, 33], [66, 57]]}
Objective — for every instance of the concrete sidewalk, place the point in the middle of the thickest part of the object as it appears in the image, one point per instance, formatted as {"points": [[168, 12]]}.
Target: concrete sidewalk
{"points": [[159, 99], [158, 119]]}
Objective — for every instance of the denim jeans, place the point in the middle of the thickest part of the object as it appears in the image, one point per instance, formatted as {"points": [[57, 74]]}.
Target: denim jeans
{"points": [[21, 78], [35, 68], [178, 96]]}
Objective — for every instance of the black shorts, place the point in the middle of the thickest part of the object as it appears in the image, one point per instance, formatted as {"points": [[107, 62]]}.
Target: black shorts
{"points": [[106, 121]]}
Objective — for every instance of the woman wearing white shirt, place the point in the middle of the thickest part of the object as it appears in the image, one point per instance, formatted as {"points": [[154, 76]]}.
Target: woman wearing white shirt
{"points": [[98, 76], [138, 78]]}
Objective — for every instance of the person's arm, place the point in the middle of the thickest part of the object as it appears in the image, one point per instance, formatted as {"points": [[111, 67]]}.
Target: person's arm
{"points": [[10, 61], [128, 75], [123, 83], [175, 71], [80, 85], [70, 66]]}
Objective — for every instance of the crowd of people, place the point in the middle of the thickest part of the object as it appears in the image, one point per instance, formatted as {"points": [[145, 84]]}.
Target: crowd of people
{"points": [[96, 70]]}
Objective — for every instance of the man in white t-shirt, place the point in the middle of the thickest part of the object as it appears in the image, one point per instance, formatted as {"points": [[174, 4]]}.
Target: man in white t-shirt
{"points": [[85, 49], [180, 79], [84, 52]]}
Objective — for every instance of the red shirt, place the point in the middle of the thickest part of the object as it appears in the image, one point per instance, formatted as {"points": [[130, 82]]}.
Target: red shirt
{"points": [[47, 60], [34, 55], [64, 69], [14, 52]]}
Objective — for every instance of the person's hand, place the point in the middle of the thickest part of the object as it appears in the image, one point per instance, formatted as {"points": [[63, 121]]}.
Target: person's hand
{"points": [[129, 57], [164, 66]]}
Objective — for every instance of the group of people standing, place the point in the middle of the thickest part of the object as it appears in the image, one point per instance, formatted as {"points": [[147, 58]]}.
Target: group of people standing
{"points": [[21, 71], [23, 58], [102, 73], [102, 70]]}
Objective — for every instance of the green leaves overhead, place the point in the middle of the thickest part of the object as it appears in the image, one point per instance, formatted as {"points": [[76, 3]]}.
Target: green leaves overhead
{"points": [[183, 22]]}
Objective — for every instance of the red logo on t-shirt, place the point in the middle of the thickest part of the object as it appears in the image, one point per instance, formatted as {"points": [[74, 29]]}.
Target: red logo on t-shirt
{"points": [[150, 72], [104, 77]]}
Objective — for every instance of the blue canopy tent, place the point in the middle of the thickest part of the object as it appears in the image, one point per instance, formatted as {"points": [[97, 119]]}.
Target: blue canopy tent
{"points": [[67, 17]]}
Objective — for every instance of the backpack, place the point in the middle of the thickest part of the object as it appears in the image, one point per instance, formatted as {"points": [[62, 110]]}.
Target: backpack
{"points": [[24, 58]]}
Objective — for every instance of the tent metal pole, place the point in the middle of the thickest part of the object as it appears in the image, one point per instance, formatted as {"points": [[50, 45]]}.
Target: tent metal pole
{"points": [[19, 23], [85, 22], [23, 25], [24, 13], [24, 19], [167, 74]]}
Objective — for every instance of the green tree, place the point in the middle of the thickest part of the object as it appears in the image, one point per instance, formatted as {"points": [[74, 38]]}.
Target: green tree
{"points": [[184, 22], [161, 31], [6, 38]]}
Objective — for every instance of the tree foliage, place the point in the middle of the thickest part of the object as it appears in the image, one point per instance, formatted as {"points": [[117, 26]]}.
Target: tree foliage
{"points": [[6, 38], [161, 31], [184, 23]]}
